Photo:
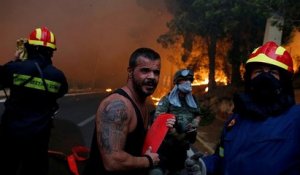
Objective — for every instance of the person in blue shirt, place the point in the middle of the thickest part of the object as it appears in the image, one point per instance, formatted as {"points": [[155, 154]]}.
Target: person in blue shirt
{"points": [[262, 136]]}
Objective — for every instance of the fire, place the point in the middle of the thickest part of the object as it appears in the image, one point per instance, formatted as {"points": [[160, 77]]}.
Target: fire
{"points": [[221, 79], [206, 89], [293, 49], [198, 60], [108, 90], [155, 100], [199, 82]]}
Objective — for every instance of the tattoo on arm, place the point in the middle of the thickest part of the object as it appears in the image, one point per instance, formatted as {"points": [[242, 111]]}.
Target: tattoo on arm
{"points": [[112, 126]]}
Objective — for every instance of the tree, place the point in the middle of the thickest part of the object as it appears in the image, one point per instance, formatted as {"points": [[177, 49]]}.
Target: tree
{"points": [[178, 33], [245, 33], [248, 33], [238, 22], [287, 9], [197, 18]]}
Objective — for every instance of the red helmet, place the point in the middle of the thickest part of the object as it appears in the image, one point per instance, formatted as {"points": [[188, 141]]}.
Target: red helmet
{"points": [[42, 37], [271, 53]]}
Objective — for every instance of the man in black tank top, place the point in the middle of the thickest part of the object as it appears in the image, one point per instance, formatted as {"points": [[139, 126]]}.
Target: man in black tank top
{"points": [[122, 120]]}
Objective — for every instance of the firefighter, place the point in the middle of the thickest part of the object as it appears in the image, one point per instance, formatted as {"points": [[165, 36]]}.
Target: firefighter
{"points": [[35, 85], [180, 102], [262, 135]]}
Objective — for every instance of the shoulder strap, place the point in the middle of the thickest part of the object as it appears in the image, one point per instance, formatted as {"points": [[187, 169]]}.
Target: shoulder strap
{"points": [[137, 111], [168, 111], [42, 75], [167, 100]]}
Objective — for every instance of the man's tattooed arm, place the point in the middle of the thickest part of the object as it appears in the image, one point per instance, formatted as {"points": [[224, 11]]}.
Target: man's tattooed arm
{"points": [[112, 123], [112, 126]]}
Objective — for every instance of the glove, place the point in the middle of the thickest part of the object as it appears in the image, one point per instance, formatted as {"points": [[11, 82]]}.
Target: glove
{"points": [[194, 165], [21, 52]]}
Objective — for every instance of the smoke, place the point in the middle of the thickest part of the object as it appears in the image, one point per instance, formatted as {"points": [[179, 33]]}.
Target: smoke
{"points": [[94, 37]]}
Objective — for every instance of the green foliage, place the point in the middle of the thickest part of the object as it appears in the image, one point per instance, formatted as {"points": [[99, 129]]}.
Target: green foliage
{"points": [[240, 22], [224, 18], [287, 9]]}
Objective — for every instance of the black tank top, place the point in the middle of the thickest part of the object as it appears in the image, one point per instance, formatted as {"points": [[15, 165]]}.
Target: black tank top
{"points": [[133, 146]]}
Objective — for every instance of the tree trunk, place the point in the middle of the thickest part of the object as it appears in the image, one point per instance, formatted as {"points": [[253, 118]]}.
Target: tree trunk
{"points": [[234, 57], [236, 78], [212, 45], [188, 46]]}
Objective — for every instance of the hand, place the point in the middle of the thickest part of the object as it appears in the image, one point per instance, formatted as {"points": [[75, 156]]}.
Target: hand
{"points": [[190, 128], [171, 122], [18, 53], [196, 122], [195, 166], [154, 156]]}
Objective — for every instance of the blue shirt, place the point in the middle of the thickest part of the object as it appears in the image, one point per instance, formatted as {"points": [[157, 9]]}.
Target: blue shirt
{"points": [[259, 147]]}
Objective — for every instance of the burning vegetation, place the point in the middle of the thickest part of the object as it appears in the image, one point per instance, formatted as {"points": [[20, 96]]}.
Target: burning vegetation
{"points": [[219, 102]]}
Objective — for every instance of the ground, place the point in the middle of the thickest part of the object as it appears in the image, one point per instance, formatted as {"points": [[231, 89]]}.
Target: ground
{"points": [[208, 136]]}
